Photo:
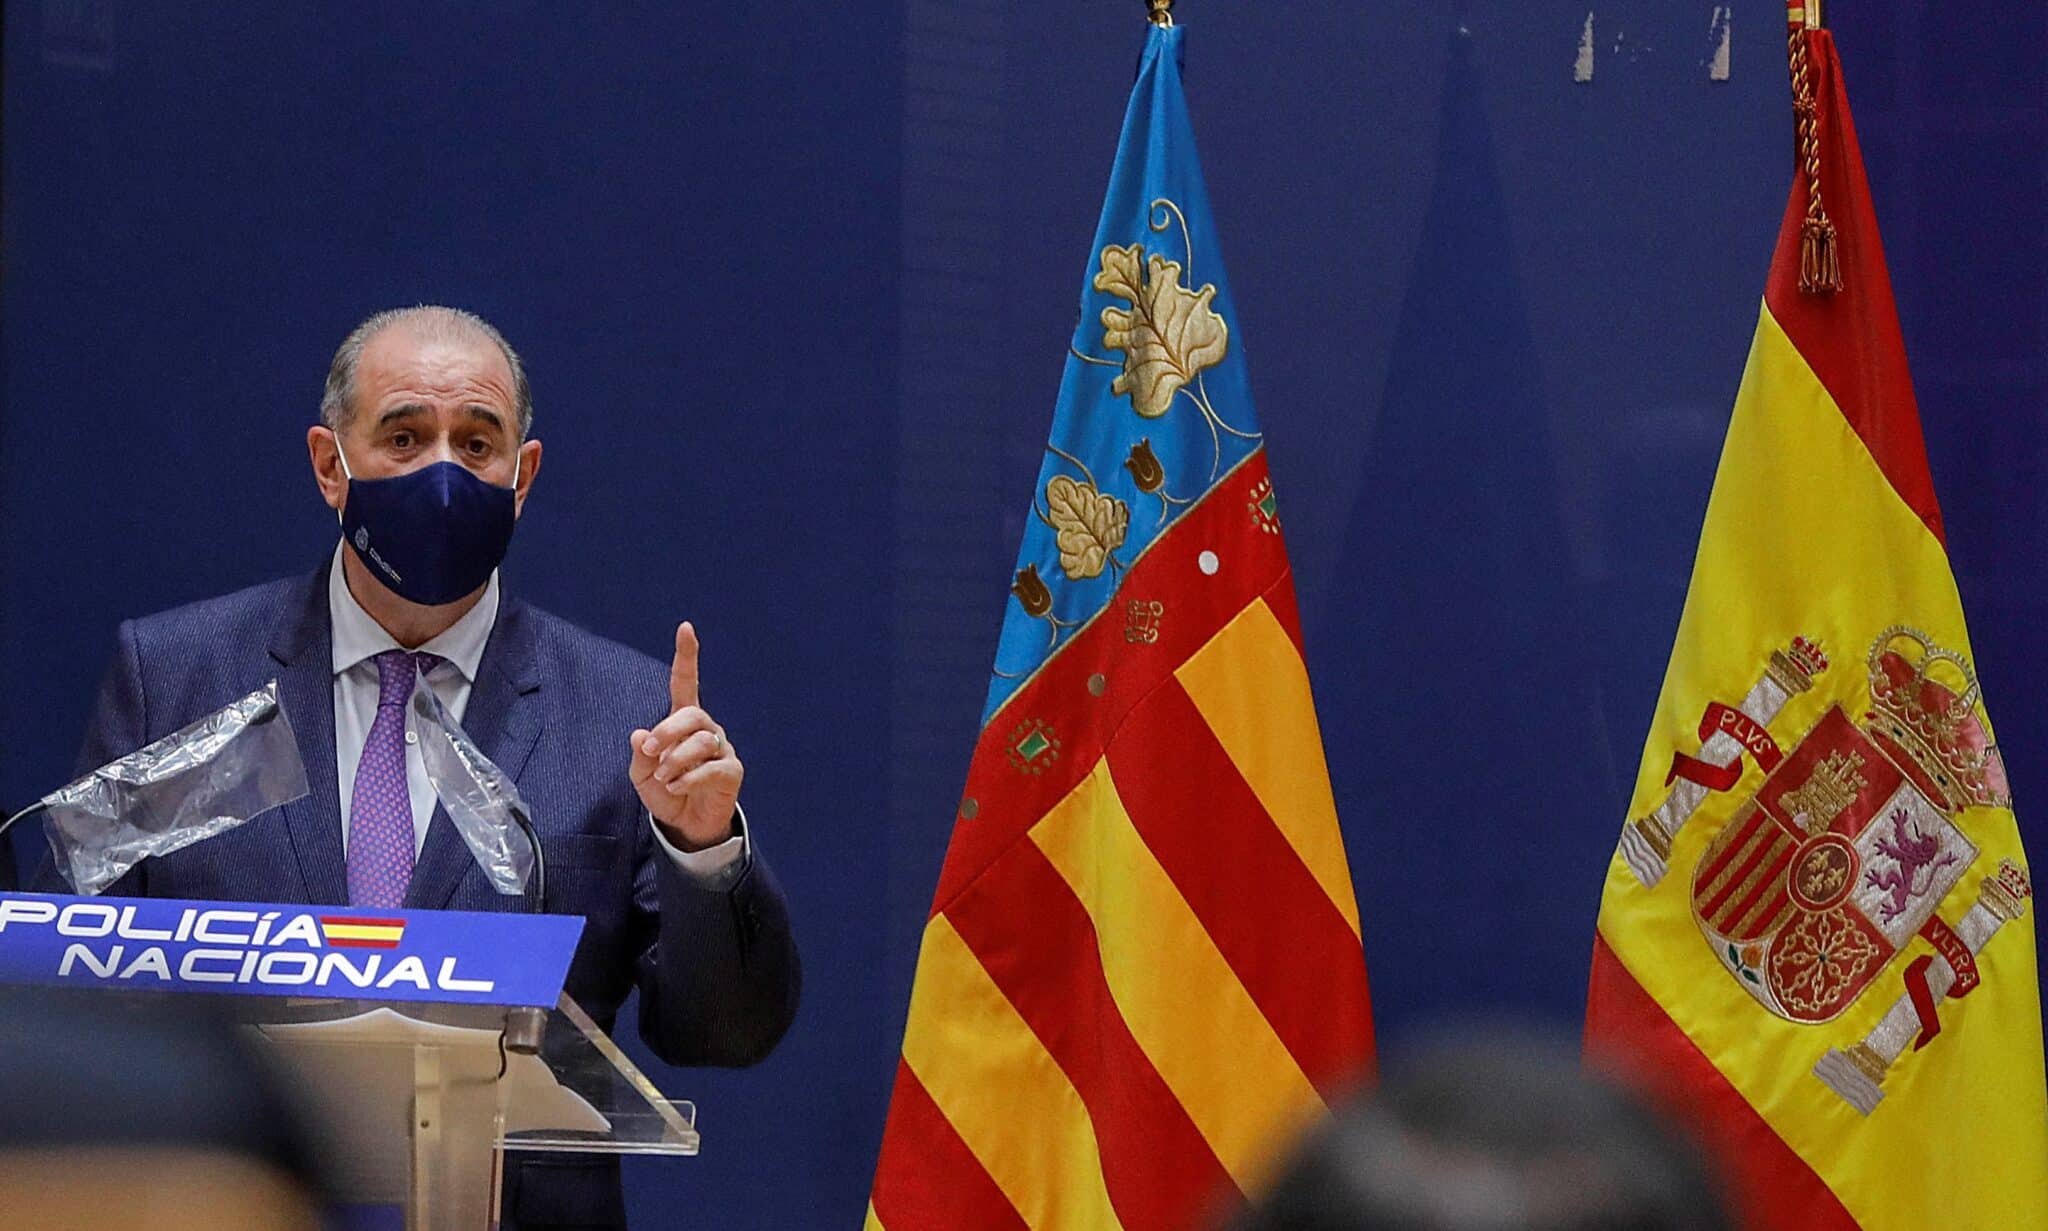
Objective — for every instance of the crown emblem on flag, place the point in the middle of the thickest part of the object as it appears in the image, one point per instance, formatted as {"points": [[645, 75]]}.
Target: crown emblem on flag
{"points": [[1855, 868], [1840, 857], [2007, 892], [1931, 724], [1796, 667], [1843, 851]]}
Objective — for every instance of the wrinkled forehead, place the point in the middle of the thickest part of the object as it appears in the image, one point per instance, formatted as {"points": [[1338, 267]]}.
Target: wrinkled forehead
{"points": [[436, 367]]}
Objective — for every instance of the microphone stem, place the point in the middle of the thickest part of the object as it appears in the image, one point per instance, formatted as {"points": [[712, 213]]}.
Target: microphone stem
{"points": [[540, 861]]}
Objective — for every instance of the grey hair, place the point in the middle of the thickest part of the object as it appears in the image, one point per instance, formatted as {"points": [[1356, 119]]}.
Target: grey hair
{"points": [[337, 403]]}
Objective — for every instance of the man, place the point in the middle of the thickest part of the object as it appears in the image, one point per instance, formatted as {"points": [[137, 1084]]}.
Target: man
{"points": [[424, 453]]}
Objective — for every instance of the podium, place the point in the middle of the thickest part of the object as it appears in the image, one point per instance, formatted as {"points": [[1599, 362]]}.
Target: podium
{"points": [[429, 1045]]}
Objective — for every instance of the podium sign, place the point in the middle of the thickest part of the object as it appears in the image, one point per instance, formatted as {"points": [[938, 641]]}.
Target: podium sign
{"points": [[399, 1028], [254, 949]]}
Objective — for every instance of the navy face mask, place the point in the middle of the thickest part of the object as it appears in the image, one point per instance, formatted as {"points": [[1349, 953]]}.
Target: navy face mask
{"points": [[432, 535]]}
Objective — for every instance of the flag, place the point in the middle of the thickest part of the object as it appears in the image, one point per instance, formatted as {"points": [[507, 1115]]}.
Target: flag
{"points": [[1142, 967], [1815, 937]]}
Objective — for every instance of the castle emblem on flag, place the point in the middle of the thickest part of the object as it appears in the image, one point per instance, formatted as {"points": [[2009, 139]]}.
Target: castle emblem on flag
{"points": [[1847, 849], [1850, 844], [1853, 863]]}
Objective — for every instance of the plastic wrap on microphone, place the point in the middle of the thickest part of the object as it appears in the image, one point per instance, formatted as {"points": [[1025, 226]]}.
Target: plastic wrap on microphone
{"points": [[195, 783], [479, 797]]}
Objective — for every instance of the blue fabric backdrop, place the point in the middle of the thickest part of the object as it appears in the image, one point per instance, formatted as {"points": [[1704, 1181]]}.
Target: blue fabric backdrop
{"points": [[796, 284]]}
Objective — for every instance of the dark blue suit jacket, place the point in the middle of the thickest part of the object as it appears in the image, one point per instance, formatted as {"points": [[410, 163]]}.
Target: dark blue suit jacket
{"points": [[553, 705]]}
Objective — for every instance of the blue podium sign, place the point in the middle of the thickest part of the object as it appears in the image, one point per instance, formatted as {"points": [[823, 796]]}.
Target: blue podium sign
{"points": [[255, 949]]}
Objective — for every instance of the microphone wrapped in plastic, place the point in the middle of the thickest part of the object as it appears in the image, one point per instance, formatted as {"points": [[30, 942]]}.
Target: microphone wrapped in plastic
{"points": [[243, 760], [492, 818], [196, 783], [480, 799]]}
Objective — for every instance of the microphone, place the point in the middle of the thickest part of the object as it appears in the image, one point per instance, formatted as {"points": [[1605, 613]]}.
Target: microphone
{"points": [[197, 782], [539, 897], [481, 801], [488, 811]]}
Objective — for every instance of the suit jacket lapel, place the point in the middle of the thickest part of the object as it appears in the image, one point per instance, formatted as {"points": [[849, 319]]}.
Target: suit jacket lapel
{"points": [[301, 646], [504, 718]]}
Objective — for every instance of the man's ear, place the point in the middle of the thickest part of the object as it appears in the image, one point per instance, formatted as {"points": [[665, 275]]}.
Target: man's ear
{"points": [[529, 466], [327, 472]]}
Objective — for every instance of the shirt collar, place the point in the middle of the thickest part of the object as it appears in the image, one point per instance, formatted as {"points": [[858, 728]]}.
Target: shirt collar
{"points": [[358, 636]]}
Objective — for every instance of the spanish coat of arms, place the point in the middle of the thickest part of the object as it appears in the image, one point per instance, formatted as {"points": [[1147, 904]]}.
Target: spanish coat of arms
{"points": [[1850, 843], [1847, 848]]}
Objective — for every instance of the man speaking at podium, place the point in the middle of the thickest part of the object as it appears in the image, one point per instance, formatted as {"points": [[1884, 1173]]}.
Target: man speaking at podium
{"points": [[424, 452]]}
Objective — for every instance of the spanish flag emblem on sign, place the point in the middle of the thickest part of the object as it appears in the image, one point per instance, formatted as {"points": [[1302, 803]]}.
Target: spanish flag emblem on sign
{"points": [[1815, 938], [351, 932], [1142, 970]]}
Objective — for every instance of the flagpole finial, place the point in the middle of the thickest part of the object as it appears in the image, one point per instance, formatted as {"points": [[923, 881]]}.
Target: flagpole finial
{"points": [[1160, 12]]}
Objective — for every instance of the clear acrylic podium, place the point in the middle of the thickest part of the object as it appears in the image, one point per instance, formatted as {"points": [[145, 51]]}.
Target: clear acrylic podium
{"points": [[430, 1044], [418, 1039], [422, 1103]]}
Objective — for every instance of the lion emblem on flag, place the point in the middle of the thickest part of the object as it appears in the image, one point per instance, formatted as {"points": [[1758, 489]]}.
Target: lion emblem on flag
{"points": [[1844, 852]]}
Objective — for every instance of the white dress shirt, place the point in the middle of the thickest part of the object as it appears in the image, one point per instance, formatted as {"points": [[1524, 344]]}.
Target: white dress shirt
{"points": [[358, 639]]}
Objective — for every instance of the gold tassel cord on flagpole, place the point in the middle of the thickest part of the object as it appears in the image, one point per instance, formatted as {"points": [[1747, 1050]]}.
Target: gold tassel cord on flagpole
{"points": [[1820, 265], [1159, 12]]}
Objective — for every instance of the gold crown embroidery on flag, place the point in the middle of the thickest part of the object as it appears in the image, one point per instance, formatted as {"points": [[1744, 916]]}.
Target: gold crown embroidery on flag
{"points": [[1848, 846], [1847, 851]]}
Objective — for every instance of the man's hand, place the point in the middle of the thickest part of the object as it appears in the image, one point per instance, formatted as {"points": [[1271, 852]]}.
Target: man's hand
{"points": [[685, 769]]}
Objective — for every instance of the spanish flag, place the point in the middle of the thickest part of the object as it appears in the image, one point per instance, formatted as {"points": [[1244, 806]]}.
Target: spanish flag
{"points": [[1142, 966], [1814, 938]]}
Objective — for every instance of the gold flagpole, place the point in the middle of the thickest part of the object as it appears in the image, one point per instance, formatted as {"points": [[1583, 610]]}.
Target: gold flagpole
{"points": [[1159, 12]]}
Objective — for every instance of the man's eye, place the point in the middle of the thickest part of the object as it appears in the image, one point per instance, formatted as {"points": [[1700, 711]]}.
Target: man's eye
{"points": [[401, 440], [478, 447]]}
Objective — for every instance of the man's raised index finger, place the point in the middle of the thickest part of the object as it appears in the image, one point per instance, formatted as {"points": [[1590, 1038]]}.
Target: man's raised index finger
{"points": [[682, 673]]}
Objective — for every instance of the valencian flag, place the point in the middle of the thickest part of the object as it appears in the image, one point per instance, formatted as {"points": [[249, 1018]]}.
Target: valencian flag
{"points": [[1142, 966], [1815, 934]]}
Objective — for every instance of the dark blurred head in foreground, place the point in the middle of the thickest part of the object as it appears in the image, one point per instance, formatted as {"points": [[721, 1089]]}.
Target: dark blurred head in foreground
{"points": [[1492, 1136], [143, 1116]]}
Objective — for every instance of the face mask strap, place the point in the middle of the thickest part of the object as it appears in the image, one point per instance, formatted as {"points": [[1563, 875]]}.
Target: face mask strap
{"points": [[345, 472]]}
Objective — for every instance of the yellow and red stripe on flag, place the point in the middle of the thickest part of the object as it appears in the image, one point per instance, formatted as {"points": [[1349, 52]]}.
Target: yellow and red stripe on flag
{"points": [[1142, 971], [353, 932], [1814, 939]]}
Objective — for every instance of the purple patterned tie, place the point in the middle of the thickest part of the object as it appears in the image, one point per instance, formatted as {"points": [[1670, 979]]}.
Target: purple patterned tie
{"points": [[380, 829]]}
